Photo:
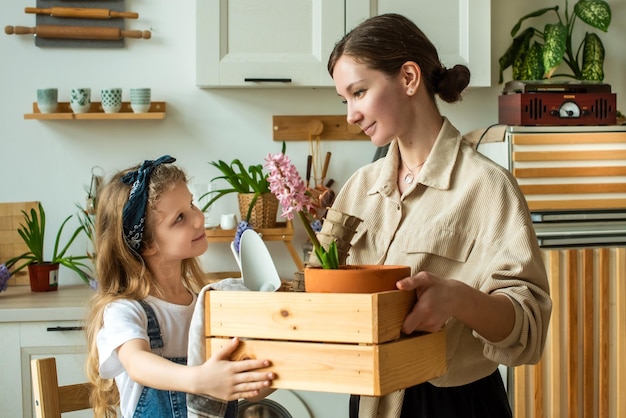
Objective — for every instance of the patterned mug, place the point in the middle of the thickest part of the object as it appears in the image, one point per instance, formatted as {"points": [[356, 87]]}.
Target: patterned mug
{"points": [[111, 100]]}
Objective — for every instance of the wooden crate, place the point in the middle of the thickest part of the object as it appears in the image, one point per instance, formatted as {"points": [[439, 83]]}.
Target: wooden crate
{"points": [[343, 343]]}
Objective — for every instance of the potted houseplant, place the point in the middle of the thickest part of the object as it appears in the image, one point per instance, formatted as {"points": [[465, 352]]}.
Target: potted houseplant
{"points": [[43, 272], [258, 206], [536, 54], [332, 275]]}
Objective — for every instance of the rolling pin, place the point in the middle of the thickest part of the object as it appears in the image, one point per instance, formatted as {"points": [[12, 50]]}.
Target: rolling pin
{"points": [[81, 12], [76, 32]]}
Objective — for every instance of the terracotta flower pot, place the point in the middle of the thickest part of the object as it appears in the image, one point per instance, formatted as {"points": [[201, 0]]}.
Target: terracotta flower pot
{"points": [[354, 279], [43, 277]]}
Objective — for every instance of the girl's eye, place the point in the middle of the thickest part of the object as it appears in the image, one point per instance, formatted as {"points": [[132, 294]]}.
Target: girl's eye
{"points": [[179, 218], [359, 93]]}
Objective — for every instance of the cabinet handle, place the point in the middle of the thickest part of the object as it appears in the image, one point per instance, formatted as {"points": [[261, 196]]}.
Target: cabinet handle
{"points": [[267, 80], [65, 329]]}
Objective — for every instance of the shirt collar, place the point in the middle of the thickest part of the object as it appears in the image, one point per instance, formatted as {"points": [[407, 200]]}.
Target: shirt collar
{"points": [[436, 172]]}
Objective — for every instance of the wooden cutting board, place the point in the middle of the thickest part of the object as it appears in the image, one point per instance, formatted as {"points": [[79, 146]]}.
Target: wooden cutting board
{"points": [[11, 244]]}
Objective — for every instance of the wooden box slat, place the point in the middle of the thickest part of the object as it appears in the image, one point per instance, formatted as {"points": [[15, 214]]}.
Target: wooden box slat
{"points": [[327, 317], [347, 368]]}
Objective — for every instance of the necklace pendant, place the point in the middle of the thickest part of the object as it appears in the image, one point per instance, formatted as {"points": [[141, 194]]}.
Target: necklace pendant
{"points": [[408, 179]]}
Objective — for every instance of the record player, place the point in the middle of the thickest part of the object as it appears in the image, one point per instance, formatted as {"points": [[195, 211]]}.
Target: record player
{"points": [[549, 103]]}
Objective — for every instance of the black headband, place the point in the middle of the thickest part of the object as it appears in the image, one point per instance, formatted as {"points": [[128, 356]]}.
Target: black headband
{"points": [[134, 214]]}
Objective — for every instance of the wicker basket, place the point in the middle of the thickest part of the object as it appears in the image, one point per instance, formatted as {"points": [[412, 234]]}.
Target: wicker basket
{"points": [[263, 214]]}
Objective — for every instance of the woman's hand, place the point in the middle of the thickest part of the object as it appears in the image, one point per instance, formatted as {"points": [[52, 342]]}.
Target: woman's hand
{"points": [[231, 380], [434, 304], [439, 299]]}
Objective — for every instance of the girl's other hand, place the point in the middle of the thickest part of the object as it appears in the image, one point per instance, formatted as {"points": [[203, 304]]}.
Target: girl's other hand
{"points": [[230, 380]]}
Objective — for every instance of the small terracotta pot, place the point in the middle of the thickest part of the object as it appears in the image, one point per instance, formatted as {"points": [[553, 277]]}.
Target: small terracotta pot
{"points": [[43, 277], [354, 279]]}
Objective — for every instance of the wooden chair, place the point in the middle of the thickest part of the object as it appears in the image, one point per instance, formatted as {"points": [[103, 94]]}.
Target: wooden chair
{"points": [[51, 400]]}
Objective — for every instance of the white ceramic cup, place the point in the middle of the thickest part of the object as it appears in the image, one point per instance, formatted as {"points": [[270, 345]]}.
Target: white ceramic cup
{"points": [[80, 99], [140, 99], [48, 100], [111, 100], [228, 221]]}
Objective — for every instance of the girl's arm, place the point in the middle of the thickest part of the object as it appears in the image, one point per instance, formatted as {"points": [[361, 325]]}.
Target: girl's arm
{"points": [[218, 377]]}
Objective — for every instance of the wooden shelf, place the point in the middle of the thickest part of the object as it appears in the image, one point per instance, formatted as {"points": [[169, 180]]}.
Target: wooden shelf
{"points": [[157, 111], [282, 232]]}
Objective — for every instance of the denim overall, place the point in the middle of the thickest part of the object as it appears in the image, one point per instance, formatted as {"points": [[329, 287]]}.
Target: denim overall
{"points": [[155, 403]]}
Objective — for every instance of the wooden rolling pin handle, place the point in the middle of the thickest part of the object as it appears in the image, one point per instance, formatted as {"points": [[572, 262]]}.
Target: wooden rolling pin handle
{"points": [[19, 30], [127, 15], [137, 34]]}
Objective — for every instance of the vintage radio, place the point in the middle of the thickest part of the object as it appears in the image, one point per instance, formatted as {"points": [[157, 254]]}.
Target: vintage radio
{"points": [[530, 103]]}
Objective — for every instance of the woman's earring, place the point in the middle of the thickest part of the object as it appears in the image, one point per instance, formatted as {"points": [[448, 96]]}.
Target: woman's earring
{"points": [[410, 91]]}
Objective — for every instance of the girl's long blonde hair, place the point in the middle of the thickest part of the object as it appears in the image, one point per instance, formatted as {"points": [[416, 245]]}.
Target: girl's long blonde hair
{"points": [[121, 272]]}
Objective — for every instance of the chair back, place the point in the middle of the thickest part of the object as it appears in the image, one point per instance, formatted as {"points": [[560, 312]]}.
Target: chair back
{"points": [[51, 400]]}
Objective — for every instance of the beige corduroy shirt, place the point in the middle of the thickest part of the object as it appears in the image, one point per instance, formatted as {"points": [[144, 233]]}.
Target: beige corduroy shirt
{"points": [[464, 218]]}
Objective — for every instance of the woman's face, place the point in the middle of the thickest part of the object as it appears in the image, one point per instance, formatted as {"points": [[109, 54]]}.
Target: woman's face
{"points": [[376, 102], [179, 225]]}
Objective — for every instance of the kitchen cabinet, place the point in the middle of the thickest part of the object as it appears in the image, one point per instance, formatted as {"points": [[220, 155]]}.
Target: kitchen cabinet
{"points": [[37, 325], [273, 43], [286, 43], [459, 29]]}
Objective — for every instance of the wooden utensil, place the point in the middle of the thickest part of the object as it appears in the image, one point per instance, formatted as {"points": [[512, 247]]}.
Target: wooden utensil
{"points": [[81, 12], [325, 168], [76, 32]]}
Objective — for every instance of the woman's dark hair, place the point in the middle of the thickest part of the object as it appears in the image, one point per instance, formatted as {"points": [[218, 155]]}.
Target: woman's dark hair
{"points": [[387, 41]]}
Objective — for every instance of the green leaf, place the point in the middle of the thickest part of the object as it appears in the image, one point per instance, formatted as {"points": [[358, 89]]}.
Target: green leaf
{"points": [[508, 58], [593, 58], [530, 16], [520, 54], [532, 68], [596, 13], [555, 36]]}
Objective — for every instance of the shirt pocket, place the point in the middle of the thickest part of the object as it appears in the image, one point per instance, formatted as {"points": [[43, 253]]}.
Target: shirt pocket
{"points": [[440, 242]]}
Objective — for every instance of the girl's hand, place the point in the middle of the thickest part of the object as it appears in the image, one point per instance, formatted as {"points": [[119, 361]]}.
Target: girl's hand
{"points": [[434, 304], [231, 380]]}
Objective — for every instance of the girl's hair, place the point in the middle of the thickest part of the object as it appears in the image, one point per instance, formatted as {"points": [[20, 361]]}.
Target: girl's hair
{"points": [[121, 272], [387, 41]]}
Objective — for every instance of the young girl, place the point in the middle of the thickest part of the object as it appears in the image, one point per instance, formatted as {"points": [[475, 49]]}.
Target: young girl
{"points": [[148, 235]]}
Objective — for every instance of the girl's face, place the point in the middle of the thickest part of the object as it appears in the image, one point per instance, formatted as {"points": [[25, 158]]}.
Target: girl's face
{"points": [[178, 226], [376, 101]]}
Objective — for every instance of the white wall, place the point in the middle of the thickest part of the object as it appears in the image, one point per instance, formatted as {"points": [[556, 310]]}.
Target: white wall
{"points": [[51, 161]]}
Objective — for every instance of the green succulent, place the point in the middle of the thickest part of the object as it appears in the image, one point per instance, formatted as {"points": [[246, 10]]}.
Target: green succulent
{"points": [[536, 55]]}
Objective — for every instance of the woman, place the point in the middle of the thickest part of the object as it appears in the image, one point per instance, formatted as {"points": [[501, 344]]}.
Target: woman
{"points": [[455, 217]]}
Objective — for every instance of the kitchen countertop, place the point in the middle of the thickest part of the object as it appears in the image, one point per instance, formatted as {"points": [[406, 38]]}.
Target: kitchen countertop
{"points": [[20, 304]]}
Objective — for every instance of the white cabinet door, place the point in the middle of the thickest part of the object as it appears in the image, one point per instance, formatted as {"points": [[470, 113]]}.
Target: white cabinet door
{"points": [[459, 29], [62, 340], [269, 43]]}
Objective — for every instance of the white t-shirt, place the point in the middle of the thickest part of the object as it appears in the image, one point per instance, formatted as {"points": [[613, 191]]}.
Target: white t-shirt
{"points": [[126, 320]]}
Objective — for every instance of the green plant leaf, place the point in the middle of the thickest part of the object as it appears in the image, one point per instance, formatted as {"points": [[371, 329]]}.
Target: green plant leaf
{"points": [[531, 15], [596, 13], [532, 68], [520, 54], [593, 58], [555, 36], [507, 59]]}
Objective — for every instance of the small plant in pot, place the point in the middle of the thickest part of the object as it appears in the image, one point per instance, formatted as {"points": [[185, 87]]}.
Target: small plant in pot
{"points": [[43, 272], [332, 275], [257, 204]]}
